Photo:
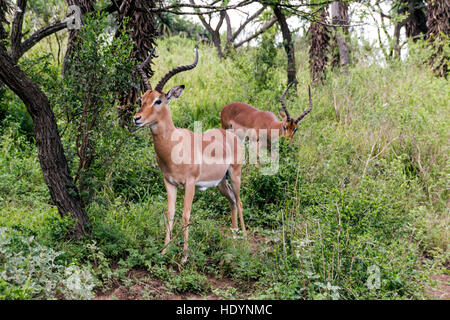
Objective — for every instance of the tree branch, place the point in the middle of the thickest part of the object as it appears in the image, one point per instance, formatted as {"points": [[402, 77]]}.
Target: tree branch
{"points": [[16, 29], [229, 30], [222, 17], [251, 18], [214, 9], [262, 30], [41, 34], [192, 5], [203, 20]]}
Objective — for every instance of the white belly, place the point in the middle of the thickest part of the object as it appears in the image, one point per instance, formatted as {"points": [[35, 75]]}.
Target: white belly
{"points": [[203, 185]]}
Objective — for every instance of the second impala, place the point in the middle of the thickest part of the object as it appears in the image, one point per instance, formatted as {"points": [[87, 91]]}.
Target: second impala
{"points": [[247, 121]]}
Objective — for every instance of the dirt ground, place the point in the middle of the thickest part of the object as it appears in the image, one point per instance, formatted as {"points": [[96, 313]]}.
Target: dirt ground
{"points": [[442, 289], [139, 285], [142, 287]]}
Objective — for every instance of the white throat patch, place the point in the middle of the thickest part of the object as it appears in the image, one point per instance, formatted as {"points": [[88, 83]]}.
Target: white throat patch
{"points": [[153, 127]]}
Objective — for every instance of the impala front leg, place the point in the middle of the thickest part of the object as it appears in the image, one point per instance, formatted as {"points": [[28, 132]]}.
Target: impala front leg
{"points": [[171, 202], [188, 198]]}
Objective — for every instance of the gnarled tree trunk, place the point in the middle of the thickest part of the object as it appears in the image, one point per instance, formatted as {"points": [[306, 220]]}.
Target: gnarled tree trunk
{"points": [[414, 23], [50, 150]]}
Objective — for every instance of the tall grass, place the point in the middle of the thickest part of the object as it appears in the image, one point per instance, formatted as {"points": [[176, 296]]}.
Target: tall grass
{"points": [[362, 192]]}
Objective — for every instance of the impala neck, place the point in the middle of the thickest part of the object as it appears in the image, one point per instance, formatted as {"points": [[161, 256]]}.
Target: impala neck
{"points": [[162, 132], [163, 129]]}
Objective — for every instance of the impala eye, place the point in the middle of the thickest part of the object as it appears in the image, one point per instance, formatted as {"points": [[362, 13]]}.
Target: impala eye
{"points": [[284, 128], [157, 102]]}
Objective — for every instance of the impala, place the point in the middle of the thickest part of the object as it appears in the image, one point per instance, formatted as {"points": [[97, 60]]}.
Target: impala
{"points": [[189, 159], [247, 121]]}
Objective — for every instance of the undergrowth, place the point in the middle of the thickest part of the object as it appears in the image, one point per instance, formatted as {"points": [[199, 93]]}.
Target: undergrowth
{"points": [[357, 210]]}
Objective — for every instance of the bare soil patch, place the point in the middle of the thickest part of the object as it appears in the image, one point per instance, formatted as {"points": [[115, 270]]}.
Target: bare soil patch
{"points": [[139, 285], [441, 289]]}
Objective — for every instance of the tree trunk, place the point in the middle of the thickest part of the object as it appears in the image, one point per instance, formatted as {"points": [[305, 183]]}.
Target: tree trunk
{"points": [[415, 23], [142, 27], [214, 32], [339, 14], [396, 51], [216, 41], [288, 45], [50, 150], [318, 50], [438, 23]]}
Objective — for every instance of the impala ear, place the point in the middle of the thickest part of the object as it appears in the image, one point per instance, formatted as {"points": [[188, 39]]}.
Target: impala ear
{"points": [[282, 114], [175, 92]]}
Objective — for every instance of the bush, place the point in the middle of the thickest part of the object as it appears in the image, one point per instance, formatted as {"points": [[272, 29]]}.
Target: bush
{"points": [[100, 68], [29, 270], [189, 281]]}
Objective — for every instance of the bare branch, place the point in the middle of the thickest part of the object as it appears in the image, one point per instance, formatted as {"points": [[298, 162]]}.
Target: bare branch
{"points": [[41, 34], [229, 30], [222, 17], [270, 23], [251, 18], [203, 20], [212, 8]]}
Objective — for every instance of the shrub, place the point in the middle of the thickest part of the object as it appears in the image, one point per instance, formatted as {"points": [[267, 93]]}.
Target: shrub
{"points": [[189, 281], [29, 270], [99, 69]]}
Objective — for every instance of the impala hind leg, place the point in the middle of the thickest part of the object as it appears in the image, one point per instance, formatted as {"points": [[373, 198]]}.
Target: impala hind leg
{"points": [[171, 202], [188, 198], [227, 191], [235, 172]]}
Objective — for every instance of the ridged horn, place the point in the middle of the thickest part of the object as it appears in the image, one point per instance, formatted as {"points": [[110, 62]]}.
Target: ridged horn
{"points": [[140, 69], [160, 86]]}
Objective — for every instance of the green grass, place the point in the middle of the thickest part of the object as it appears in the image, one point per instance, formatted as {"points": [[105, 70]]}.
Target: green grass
{"points": [[364, 184]]}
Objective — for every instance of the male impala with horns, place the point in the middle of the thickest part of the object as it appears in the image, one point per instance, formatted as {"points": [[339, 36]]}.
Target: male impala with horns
{"points": [[256, 125], [188, 159]]}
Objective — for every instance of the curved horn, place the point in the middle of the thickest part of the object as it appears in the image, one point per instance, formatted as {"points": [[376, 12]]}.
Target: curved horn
{"points": [[140, 69], [159, 87], [283, 104], [307, 110]]}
